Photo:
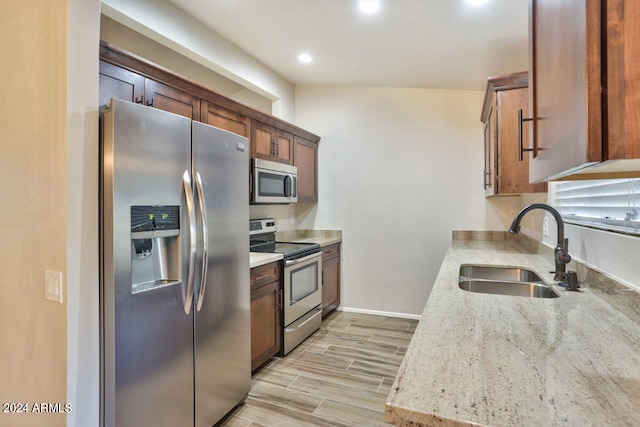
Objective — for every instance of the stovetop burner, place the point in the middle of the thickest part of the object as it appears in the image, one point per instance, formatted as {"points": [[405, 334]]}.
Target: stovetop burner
{"points": [[262, 238]]}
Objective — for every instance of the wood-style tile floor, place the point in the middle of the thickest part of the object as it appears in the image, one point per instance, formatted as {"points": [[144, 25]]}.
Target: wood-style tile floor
{"points": [[340, 376]]}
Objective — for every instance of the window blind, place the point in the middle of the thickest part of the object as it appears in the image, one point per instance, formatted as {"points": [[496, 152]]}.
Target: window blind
{"points": [[610, 204]]}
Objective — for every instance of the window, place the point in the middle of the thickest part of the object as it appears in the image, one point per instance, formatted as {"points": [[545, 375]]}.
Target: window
{"points": [[610, 204]]}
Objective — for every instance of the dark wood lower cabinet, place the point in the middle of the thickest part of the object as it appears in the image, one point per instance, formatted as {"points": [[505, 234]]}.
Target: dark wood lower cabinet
{"points": [[330, 278], [266, 313]]}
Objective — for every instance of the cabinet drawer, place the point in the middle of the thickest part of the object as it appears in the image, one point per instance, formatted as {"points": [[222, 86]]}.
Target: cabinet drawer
{"points": [[265, 274], [331, 251]]}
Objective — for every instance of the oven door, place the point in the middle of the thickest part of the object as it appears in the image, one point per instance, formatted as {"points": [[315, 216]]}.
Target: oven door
{"points": [[302, 286]]}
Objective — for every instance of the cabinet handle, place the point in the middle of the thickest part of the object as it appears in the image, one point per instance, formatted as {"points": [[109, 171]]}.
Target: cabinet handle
{"points": [[259, 278], [521, 149], [139, 101], [150, 103], [487, 175]]}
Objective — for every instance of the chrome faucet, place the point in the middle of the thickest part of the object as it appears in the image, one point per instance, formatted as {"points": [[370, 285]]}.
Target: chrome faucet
{"points": [[561, 252]]}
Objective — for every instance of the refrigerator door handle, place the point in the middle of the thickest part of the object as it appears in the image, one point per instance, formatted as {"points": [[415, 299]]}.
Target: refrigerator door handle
{"points": [[205, 242], [193, 236]]}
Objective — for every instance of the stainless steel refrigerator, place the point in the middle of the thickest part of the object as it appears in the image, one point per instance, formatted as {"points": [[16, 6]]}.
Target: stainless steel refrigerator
{"points": [[175, 309]]}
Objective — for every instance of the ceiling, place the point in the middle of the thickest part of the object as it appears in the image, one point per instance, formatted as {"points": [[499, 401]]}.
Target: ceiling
{"points": [[409, 43]]}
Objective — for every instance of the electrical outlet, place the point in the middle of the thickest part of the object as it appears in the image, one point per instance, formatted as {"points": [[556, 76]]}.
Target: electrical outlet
{"points": [[545, 226], [53, 286]]}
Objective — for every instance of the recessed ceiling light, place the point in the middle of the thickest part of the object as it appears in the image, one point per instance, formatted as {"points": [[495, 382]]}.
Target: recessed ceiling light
{"points": [[369, 6], [305, 58], [476, 2]]}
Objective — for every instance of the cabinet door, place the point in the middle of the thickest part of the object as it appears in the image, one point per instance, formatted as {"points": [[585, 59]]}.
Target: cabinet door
{"points": [[168, 98], [270, 143], [513, 175], [306, 159], [623, 79], [284, 146], [222, 118], [565, 82], [490, 152], [263, 141], [118, 83], [330, 278], [266, 330]]}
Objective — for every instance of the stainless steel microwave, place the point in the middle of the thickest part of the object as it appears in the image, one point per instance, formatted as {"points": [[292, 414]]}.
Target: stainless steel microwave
{"points": [[273, 182]]}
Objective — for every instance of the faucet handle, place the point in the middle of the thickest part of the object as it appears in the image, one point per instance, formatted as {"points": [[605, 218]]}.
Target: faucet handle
{"points": [[570, 279]]}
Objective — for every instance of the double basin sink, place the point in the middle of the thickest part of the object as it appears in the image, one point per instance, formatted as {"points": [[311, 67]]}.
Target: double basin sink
{"points": [[513, 281]]}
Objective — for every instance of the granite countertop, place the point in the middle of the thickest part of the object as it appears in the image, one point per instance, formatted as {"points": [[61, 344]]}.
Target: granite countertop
{"points": [[322, 237], [256, 259], [493, 360]]}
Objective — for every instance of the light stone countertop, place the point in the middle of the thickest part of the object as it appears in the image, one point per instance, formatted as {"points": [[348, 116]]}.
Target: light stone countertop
{"points": [[323, 237], [493, 360], [256, 259]]}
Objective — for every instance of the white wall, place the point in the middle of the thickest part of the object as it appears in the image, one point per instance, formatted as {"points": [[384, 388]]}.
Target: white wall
{"points": [[83, 333], [125, 38], [168, 25], [398, 170]]}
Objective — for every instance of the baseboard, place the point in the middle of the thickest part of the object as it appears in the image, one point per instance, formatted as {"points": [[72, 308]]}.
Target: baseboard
{"points": [[379, 313]]}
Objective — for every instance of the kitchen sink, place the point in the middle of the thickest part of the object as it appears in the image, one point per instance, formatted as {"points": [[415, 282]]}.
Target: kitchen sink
{"points": [[513, 281], [518, 289], [493, 272]]}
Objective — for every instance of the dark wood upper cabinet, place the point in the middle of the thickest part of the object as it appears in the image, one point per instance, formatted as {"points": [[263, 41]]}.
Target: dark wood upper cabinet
{"points": [[224, 118], [306, 159], [168, 98], [505, 173], [116, 82], [585, 88], [124, 75], [271, 143]]}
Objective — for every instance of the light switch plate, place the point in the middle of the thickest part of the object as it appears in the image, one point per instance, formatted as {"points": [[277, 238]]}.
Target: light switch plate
{"points": [[53, 286]]}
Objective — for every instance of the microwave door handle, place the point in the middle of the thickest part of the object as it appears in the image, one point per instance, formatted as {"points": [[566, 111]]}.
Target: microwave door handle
{"points": [[205, 242], [193, 236], [288, 192]]}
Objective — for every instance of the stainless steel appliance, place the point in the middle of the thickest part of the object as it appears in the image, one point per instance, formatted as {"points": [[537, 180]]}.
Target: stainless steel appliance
{"points": [[175, 309], [273, 182], [302, 312]]}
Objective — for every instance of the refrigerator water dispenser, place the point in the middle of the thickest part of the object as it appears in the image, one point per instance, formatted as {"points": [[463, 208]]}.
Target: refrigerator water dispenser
{"points": [[155, 247]]}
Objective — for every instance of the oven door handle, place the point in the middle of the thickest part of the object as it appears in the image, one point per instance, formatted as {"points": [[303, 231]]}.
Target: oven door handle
{"points": [[317, 309], [287, 263]]}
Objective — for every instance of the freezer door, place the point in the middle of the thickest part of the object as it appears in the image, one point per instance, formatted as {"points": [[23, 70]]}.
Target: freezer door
{"points": [[147, 338], [222, 303]]}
